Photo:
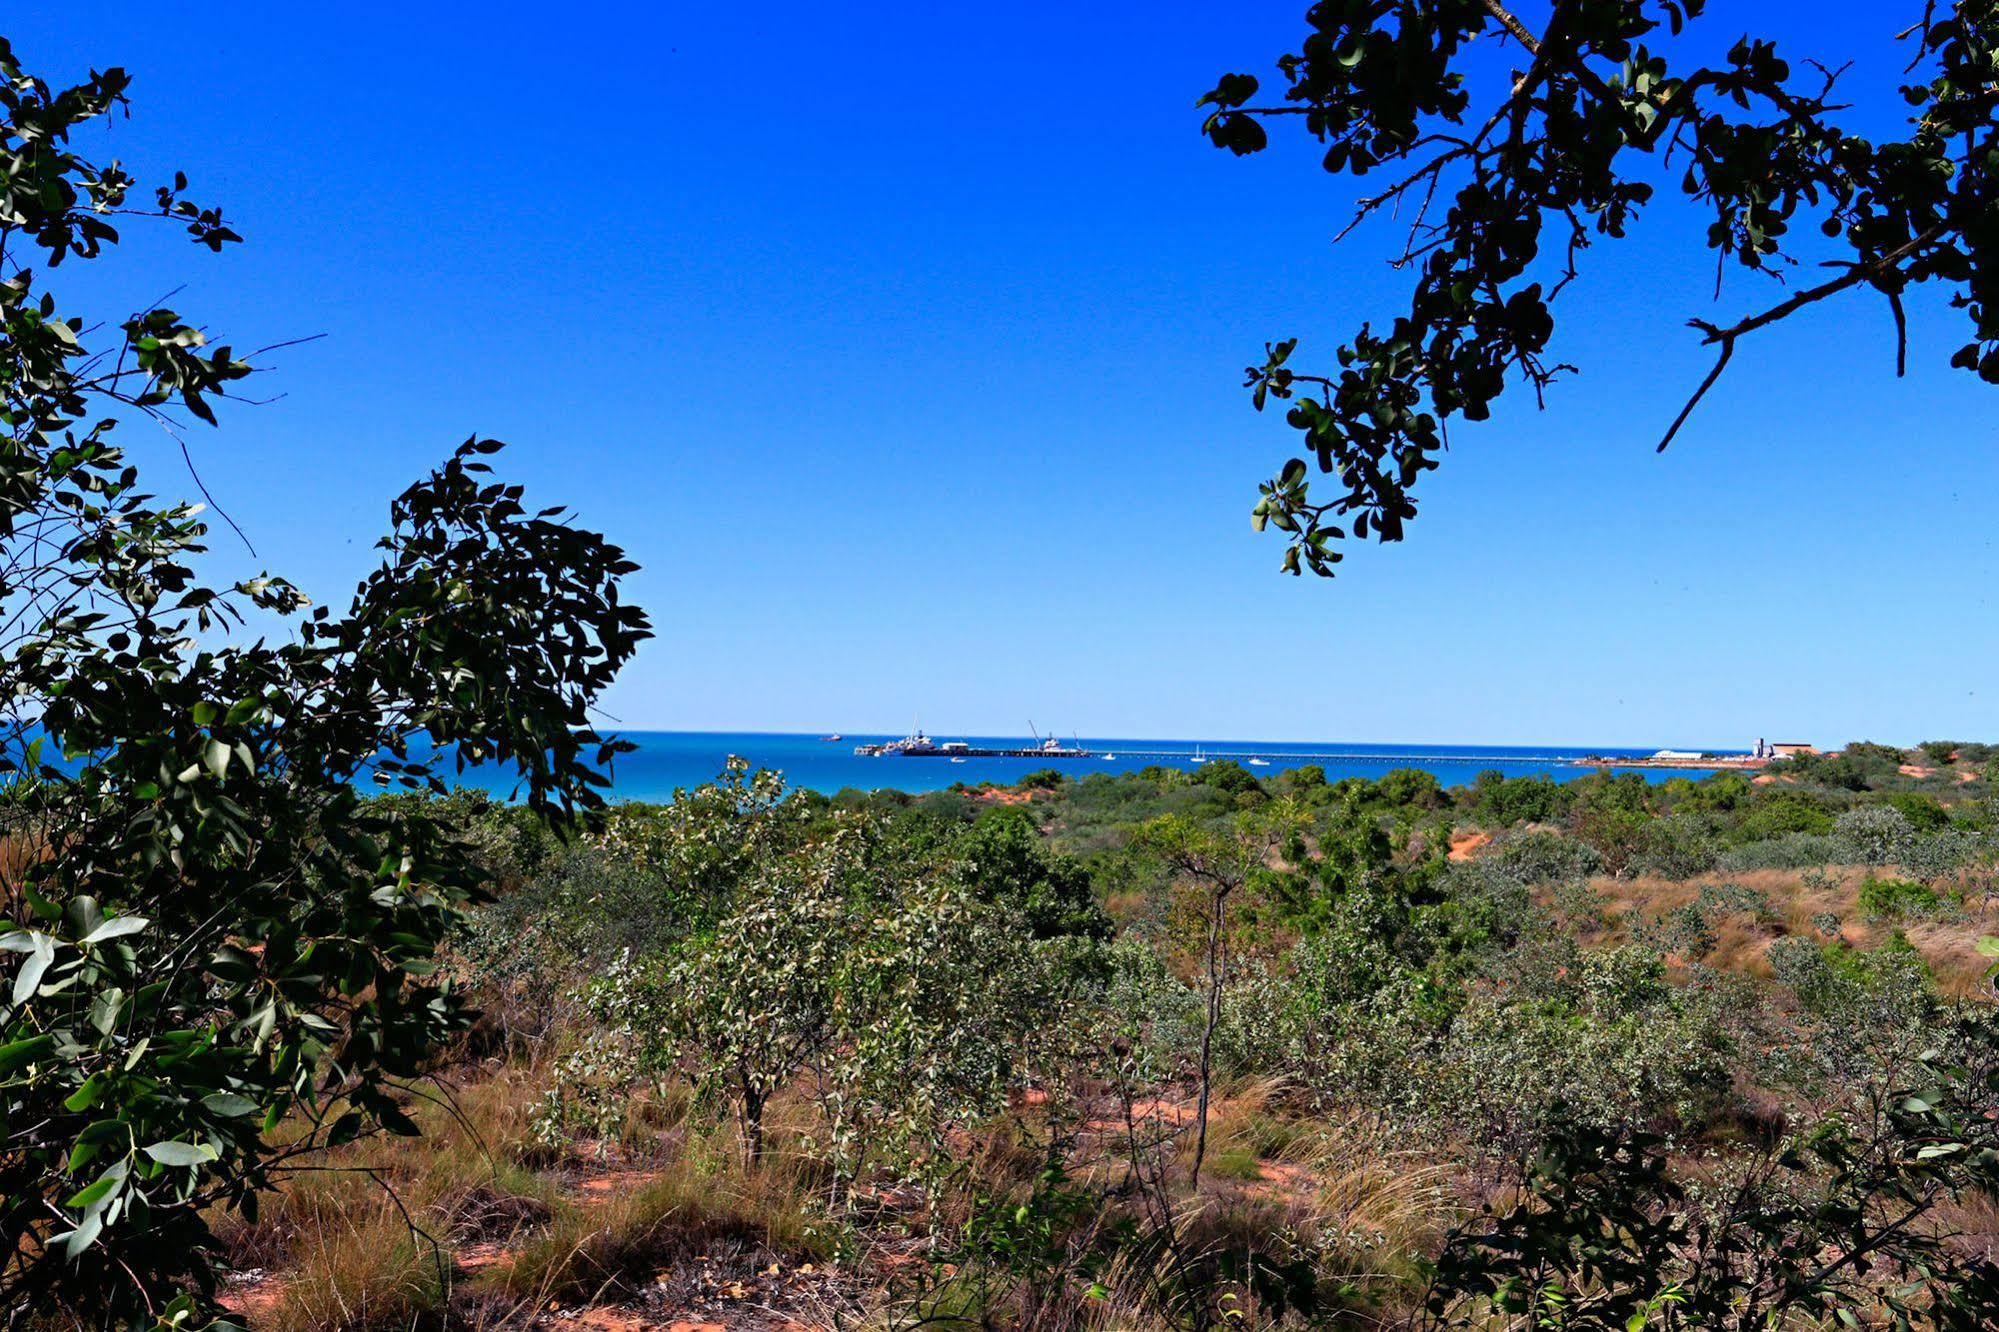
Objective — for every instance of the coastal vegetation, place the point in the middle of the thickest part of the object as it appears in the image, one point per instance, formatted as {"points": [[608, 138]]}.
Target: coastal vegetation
{"points": [[298, 1037], [1180, 1049]]}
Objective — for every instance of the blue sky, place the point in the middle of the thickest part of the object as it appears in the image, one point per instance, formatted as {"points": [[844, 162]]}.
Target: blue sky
{"points": [[902, 345]]}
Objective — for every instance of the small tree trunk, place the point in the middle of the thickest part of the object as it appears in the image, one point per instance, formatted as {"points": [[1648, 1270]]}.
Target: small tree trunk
{"points": [[1217, 979], [750, 1126]]}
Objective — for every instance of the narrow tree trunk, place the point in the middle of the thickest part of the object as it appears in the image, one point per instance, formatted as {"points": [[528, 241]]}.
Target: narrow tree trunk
{"points": [[1217, 978], [750, 1126]]}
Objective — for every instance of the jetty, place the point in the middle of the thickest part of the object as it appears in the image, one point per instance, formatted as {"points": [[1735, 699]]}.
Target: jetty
{"points": [[919, 745]]}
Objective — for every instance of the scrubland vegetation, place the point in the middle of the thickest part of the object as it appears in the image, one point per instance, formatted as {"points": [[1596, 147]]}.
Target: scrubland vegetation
{"points": [[1140, 1052], [1173, 1050]]}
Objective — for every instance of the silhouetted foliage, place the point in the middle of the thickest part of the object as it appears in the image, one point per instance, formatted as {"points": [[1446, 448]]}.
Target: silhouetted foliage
{"points": [[1499, 184]]}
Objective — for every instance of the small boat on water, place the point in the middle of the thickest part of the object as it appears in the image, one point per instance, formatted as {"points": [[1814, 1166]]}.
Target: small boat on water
{"points": [[1259, 763], [831, 739], [1199, 758]]}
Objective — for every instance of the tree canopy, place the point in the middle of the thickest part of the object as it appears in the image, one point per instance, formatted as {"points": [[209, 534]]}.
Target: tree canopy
{"points": [[1506, 182]]}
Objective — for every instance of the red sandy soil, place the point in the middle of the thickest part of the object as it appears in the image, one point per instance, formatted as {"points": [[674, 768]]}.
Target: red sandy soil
{"points": [[1281, 1179], [1151, 1112], [999, 795], [1916, 770], [478, 1257], [601, 1186], [1463, 848], [252, 1297]]}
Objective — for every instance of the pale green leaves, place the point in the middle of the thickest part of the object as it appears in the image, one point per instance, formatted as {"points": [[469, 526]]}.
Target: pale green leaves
{"points": [[181, 1155]]}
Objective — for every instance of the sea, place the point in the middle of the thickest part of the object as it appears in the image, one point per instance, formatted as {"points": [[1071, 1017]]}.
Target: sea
{"points": [[667, 760]]}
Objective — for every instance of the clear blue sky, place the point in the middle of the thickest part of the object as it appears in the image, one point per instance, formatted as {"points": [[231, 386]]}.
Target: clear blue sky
{"points": [[901, 343]]}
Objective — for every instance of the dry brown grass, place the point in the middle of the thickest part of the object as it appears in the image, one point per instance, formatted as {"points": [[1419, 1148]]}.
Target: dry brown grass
{"points": [[471, 1224], [1950, 947]]}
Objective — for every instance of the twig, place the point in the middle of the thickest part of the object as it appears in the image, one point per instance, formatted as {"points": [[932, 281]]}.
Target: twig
{"points": [[1721, 363]]}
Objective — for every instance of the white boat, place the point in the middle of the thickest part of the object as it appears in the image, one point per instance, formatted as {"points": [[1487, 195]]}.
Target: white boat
{"points": [[1109, 758], [957, 760], [1259, 763], [1199, 758]]}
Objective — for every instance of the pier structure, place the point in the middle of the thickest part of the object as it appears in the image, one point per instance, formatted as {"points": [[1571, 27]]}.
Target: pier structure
{"points": [[958, 749]]}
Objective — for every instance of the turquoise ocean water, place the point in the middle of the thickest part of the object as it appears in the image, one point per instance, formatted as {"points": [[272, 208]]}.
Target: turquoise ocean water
{"points": [[665, 760]]}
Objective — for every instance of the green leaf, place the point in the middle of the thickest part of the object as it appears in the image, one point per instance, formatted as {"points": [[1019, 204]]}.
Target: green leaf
{"points": [[76, 1241], [106, 1182], [228, 1104], [86, 1096], [29, 978], [117, 928], [181, 1154], [18, 1054]]}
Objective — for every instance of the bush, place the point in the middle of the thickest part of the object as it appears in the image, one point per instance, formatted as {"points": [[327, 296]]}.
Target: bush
{"points": [[1723, 898], [1842, 1227], [1545, 857], [1499, 801], [1610, 1044], [1791, 851], [1410, 788], [1678, 847], [1943, 855], [1874, 834], [212, 933], [1228, 776], [1900, 899], [1003, 859], [1924, 812], [1779, 812]]}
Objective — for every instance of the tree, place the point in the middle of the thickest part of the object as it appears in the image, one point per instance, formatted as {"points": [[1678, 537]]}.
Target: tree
{"points": [[1410, 788], [1507, 181], [214, 934], [1217, 864], [755, 1002], [1002, 858], [1227, 776]]}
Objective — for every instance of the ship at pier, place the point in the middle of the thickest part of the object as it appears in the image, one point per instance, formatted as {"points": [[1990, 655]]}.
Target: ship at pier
{"points": [[918, 745]]}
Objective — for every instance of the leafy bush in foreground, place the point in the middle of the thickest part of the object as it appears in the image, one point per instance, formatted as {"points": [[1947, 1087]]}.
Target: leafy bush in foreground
{"points": [[213, 934]]}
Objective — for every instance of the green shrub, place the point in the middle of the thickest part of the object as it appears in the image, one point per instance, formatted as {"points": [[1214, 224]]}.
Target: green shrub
{"points": [[1546, 857], [1005, 861], [1677, 847], [1900, 899], [1777, 812], [1499, 801], [1925, 813], [1790, 851], [1874, 834]]}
